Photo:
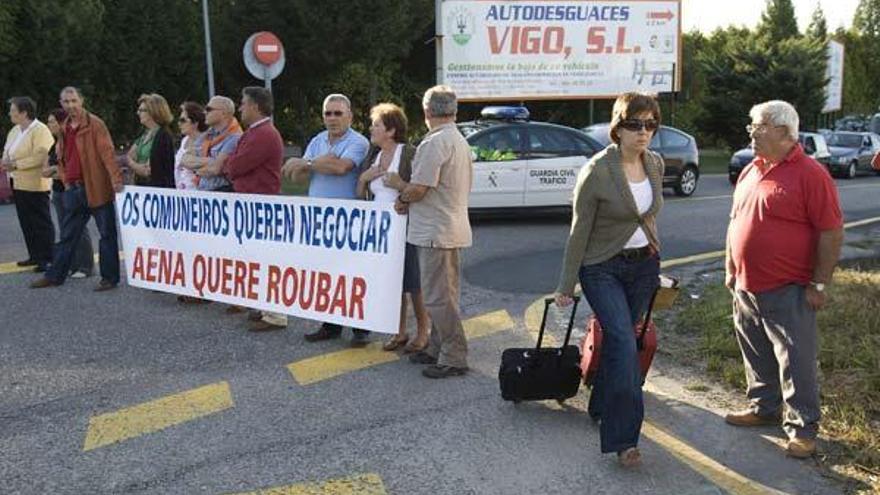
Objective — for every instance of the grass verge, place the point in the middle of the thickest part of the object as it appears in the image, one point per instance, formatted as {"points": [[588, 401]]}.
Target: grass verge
{"points": [[714, 161], [849, 357]]}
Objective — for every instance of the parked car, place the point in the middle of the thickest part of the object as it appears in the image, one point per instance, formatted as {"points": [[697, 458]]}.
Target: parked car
{"points": [[814, 144], [679, 152], [851, 152], [519, 163]]}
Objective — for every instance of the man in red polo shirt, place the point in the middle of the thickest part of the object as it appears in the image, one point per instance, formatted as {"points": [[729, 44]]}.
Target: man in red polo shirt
{"points": [[254, 167], [783, 243]]}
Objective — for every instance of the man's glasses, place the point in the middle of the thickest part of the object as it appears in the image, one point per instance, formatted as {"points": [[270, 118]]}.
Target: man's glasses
{"points": [[333, 113], [210, 109], [751, 128], [636, 125]]}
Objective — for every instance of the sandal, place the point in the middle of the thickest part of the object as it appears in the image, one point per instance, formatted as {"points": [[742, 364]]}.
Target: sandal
{"points": [[630, 457], [414, 347], [394, 343]]}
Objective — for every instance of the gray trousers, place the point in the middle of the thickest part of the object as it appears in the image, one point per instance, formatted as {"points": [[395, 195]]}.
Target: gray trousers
{"points": [[441, 272], [777, 335]]}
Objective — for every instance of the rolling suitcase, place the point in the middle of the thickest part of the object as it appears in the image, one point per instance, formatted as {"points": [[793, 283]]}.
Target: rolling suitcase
{"points": [[5, 188], [537, 373], [646, 345]]}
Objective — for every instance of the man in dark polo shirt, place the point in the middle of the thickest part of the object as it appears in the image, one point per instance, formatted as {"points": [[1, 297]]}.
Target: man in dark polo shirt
{"points": [[254, 167], [783, 243]]}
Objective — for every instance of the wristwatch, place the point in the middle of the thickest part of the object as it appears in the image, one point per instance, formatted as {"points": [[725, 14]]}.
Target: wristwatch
{"points": [[309, 163], [820, 287]]}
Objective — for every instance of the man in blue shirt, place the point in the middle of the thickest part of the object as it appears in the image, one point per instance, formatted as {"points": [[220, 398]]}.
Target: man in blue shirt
{"points": [[332, 160]]}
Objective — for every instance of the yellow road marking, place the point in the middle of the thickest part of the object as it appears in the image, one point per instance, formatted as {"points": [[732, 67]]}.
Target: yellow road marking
{"points": [[710, 469], [12, 267], [365, 484], [488, 324], [156, 415], [326, 366]]}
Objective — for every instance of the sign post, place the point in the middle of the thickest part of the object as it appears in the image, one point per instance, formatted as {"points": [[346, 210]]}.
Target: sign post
{"points": [[264, 56]]}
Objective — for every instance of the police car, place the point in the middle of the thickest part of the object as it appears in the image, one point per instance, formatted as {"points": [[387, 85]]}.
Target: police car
{"points": [[519, 163]]}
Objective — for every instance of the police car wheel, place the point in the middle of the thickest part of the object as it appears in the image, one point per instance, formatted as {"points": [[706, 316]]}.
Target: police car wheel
{"points": [[687, 181], [851, 171]]}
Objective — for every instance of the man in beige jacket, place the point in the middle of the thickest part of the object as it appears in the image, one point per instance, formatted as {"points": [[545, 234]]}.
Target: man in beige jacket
{"points": [[24, 154]]}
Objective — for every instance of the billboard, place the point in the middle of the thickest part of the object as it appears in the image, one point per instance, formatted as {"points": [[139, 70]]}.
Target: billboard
{"points": [[834, 74], [556, 49]]}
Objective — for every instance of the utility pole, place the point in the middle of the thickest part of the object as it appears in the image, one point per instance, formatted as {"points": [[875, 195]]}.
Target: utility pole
{"points": [[209, 64]]}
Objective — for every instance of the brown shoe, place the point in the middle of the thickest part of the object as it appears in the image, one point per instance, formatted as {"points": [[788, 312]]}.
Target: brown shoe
{"points": [[630, 457], [264, 326], [749, 418], [801, 448], [254, 315], [44, 282], [234, 310]]}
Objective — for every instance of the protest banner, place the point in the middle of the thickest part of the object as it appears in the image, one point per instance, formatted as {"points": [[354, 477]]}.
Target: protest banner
{"points": [[557, 49], [339, 261]]}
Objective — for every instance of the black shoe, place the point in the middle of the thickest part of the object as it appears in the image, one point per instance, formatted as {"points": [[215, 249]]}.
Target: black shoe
{"points": [[103, 285], [441, 371], [422, 358], [360, 338], [27, 262], [323, 333]]}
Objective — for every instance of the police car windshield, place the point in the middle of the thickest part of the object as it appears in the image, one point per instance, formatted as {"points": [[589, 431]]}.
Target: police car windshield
{"points": [[845, 140]]}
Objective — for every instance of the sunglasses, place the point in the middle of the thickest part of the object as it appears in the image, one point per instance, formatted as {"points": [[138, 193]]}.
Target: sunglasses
{"points": [[142, 110], [636, 125], [183, 120], [210, 109], [333, 113]]}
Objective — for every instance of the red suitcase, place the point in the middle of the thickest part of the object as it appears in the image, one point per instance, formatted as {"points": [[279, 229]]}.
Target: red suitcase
{"points": [[5, 189], [591, 345]]}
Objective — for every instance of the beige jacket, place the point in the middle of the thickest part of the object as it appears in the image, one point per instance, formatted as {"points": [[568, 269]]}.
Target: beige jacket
{"points": [[30, 156]]}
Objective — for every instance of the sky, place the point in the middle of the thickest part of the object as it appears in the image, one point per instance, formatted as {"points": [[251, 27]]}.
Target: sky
{"points": [[706, 15]]}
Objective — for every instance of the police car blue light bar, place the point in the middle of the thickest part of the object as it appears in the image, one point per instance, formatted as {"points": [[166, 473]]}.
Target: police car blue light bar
{"points": [[505, 113]]}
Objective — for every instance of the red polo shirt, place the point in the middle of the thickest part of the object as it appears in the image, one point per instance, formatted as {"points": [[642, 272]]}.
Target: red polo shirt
{"points": [[777, 215], [72, 165]]}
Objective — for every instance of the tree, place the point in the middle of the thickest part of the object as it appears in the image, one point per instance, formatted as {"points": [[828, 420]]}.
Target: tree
{"points": [[818, 28], [778, 21], [866, 20], [744, 72]]}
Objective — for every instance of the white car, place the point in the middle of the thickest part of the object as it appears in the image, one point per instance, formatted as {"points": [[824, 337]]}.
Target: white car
{"points": [[523, 164]]}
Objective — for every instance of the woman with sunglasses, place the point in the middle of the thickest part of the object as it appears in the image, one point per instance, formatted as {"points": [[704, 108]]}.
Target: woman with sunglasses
{"points": [[151, 157], [613, 249], [192, 125]]}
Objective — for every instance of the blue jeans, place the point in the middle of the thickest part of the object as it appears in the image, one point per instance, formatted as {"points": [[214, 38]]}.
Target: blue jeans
{"points": [[84, 257], [619, 291], [76, 216]]}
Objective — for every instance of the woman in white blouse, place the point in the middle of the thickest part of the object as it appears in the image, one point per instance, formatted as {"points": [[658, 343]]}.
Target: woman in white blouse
{"points": [[192, 125], [24, 154], [392, 155]]}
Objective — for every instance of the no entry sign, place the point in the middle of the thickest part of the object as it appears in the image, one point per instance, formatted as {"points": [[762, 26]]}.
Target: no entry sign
{"points": [[264, 56], [267, 48]]}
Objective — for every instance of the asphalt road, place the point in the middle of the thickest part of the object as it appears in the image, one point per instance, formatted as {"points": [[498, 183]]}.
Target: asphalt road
{"points": [[72, 360]]}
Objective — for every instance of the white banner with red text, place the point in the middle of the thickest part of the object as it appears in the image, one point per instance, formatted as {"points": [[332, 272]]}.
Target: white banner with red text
{"points": [[339, 261], [519, 49]]}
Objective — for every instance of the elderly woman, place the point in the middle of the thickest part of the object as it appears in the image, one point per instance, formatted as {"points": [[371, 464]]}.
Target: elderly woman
{"points": [[151, 157], [24, 154], [84, 258], [613, 249], [192, 125], [392, 155]]}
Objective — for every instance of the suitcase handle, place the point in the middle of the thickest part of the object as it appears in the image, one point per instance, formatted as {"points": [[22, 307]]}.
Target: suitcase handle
{"points": [[640, 340], [547, 302]]}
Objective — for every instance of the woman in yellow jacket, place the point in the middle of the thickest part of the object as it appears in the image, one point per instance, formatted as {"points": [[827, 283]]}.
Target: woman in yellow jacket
{"points": [[24, 154]]}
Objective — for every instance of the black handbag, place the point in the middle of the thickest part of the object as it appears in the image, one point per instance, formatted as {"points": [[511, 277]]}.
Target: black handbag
{"points": [[537, 373]]}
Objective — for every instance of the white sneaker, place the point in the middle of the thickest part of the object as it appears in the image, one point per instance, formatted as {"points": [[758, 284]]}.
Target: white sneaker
{"points": [[78, 275]]}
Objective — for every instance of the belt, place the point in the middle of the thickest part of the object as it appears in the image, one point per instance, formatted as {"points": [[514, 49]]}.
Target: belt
{"points": [[636, 253], [76, 183]]}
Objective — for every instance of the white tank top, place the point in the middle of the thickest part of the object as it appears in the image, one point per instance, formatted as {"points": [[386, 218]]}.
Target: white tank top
{"points": [[644, 196], [380, 191]]}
